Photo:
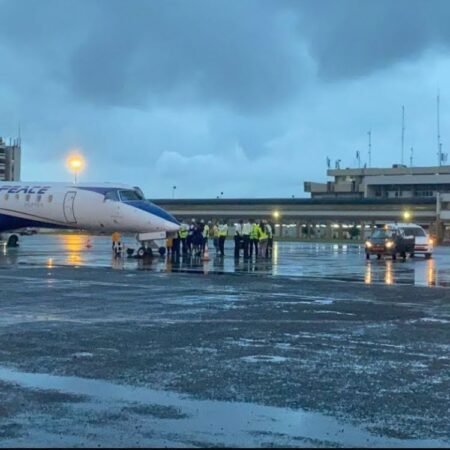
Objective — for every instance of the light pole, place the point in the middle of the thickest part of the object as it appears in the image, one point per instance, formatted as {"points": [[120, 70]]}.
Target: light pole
{"points": [[174, 188], [75, 164]]}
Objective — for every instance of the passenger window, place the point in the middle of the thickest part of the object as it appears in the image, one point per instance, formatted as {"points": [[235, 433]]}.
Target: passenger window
{"points": [[50, 198], [6, 197], [27, 198], [39, 198], [17, 196]]}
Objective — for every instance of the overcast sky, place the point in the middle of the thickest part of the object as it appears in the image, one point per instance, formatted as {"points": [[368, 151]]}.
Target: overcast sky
{"points": [[244, 97]]}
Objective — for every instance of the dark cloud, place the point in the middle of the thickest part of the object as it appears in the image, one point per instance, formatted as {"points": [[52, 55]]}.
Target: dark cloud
{"points": [[127, 53], [351, 38], [213, 95], [232, 53]]}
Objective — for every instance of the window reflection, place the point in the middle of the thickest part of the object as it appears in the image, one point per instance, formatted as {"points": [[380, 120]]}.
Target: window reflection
{"points": [[73, 244], [389, 274], [431, 272], [368, 274]]}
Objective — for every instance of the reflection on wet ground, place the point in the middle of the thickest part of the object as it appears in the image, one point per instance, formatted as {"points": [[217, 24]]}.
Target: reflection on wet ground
{"points": [[217, 422], [308, 260]]}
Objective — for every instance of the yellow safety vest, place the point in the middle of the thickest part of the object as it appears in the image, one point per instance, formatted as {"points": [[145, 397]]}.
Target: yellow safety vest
{"points": [[256, 230], [263, 233], [183, 233]]}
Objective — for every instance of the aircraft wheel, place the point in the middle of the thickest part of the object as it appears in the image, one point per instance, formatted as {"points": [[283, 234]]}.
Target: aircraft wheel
{"points": [[394, 257], [162, 251], [427, 255], [141, 252], [13, 241], [378, 256], [367, 255]]}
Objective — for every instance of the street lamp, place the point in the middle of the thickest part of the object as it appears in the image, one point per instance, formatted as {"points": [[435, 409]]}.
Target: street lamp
{"points": [[407, 216], [75, 164], [173, 191]]}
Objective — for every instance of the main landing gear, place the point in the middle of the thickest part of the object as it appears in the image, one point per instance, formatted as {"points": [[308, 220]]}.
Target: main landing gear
{"points": [[10, 240]]}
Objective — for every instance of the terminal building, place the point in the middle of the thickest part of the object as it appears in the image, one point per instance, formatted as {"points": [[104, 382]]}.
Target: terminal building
{"points": [[347, 208], [10, 160], [397, 182]]}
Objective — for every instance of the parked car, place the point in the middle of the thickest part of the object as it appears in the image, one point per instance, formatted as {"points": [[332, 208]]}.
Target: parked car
{"points": [[424, 244], [389, 241]]}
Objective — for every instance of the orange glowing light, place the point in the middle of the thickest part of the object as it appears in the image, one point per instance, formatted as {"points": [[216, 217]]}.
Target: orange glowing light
{"points": [[75, 163]]}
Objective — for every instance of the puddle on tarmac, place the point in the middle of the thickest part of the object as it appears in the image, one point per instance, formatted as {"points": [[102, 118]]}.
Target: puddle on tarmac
{"points": [[209, 421]]}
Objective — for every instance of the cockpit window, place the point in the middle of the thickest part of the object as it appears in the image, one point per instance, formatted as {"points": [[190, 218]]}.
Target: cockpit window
{"points": [[128, 196], [139, 192], [112, 195]]}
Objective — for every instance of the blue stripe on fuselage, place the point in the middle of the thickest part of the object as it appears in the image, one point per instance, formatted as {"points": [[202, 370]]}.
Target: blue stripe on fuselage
{"points": [[9, 223], [152, 209]]}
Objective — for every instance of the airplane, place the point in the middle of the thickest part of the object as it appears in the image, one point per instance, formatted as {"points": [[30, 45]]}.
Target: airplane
{"points": [[93, 207]]}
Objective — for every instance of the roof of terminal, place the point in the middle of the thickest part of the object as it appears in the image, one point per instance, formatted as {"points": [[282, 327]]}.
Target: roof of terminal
{"points": [[295, 201]]}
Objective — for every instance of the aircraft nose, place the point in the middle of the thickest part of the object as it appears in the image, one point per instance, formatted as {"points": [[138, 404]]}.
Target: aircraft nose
{"points": [[172, 227]]}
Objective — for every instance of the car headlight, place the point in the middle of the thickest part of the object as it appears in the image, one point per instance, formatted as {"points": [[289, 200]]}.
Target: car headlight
{"points": [[389, 244], [430, 242], [368, 244]]}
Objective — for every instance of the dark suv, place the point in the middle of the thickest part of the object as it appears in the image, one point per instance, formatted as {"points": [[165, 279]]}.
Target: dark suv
{"points": [[390, 241]]}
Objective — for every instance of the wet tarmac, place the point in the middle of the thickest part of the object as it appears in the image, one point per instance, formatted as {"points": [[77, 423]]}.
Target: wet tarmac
{"points": [[317, 348], [344, 262]]}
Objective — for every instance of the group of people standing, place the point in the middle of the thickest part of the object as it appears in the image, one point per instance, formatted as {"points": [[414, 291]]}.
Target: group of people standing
{"points": [[250, 237]]}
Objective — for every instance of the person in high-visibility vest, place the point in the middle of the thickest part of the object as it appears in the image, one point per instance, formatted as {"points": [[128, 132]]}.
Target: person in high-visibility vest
{"points": [[183, 233], [206, 232], [215, 236], [254, 237], [115, 239], [223, 232], [263, 238], [116, 244]]}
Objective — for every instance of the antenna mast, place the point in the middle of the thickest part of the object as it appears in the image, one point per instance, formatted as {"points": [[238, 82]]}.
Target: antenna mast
{"points": [[403, 133], [370, 147], [438, 101], [411, 158]]}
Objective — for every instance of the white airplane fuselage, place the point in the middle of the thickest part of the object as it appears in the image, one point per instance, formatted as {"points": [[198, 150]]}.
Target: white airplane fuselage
{"points": [[95, 207]]}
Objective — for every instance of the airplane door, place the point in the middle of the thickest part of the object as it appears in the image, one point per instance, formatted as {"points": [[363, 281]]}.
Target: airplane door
{"points": [[69, 213]]}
